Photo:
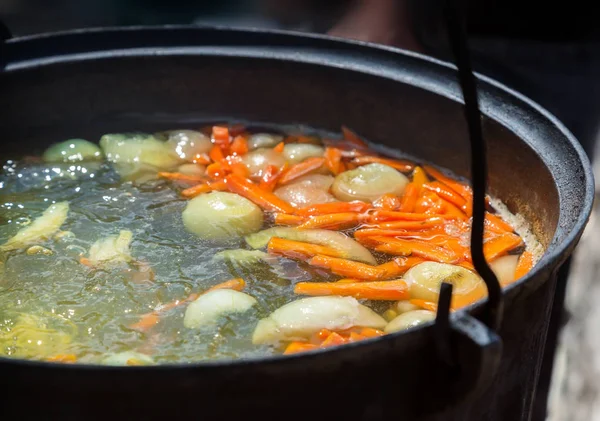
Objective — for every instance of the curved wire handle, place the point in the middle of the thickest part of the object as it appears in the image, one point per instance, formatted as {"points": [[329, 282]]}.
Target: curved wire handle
{"points": [[492, 316]]}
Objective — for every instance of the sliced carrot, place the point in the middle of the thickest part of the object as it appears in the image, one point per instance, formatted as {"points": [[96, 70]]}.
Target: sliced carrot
{"points": [[356, 337], [460, 188], [333, 339], [411, 225], [382, 290], [298, 170], [279, 147], [333, 160], [426, 305], [85, 261], [321, 335], [270, 177], [204, 188], [499, 246], [336, 221], [385, 215], [348, 268], [63, 358], [334, 207], [239, 169], [467, 265], [216, 154], [445, 193], [239, 146], [388, 202], [370, 332], [429, 202], [524, 265], [147, 322], [496, 224], [180, 177], [265, 199], [298, 249], [220, 135], [297, 347], [348, 281], [409, 199], [398, 266], [287, 219], [415, 248], [450, 210], [403, 166], [353, 138], [427, 235], [419, 177]]}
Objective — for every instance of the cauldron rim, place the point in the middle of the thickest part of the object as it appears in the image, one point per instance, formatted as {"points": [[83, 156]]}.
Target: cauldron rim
{"points": [[48, 48]]}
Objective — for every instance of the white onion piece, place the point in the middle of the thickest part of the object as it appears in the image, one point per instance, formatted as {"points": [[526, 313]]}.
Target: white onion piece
{"points": [[188, 144], [409, 320], [301, 318], [41, 229], [426, 278], [73, 150], [242, 256], [112, 249], [320, 181], [263, 140], [221, 216], [207, 308], [128, 358], [368, 183], [299, 195], [192, 169], [298, 152], [257, 161], [405, 306], [504, 267], [349, 248]]}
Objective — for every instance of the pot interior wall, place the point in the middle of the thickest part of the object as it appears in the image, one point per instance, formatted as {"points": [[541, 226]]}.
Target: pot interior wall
{"points": [[88, 98]]}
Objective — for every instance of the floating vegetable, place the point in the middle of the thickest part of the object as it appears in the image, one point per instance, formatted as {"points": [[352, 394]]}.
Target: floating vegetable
{"points": [[112, 249], [209, 307], [41, 229], [257, 161], [221, 216], [368, 183], [263, 140], [243, 256], [505, 267], [298, 152], [301, 318], [409, 320], [73, 150], [188, 144]]}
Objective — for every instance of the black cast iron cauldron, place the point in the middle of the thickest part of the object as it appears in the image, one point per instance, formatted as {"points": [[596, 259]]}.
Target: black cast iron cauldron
{"points": [[85, 83]]}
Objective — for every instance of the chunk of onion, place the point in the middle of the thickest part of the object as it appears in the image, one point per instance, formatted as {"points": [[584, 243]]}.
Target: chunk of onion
{"points": [[221, 216], [320, 181], [300, 319], [192, 169], [188, 144], [209, 307], [347, 246], [298, 152], [112, 249], [426, 278], [409, 320], [128, 358], [41, 229], [242, 256], [504, 267], [405, 306], [73, 150], [257, 161], [263, 140], [299, 195], [368, 183]]}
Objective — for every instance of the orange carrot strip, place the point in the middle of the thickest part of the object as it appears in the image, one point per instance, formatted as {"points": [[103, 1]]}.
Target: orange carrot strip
{"points": [[302, 168], [446, 193], [415, 248], [398, 266], [524, 265], [270, 177], [388, 202], [403, 166], [450, 210], [85, 261], [348, 281], [426, 305], [462, 189], [348, 268], [216, 154], [279, 147], [428, 235], [147, 321], [204, 188], [298, 249], [239, 146], [336, 221], [297, 347], [62, 358], [429, 202], [333, 340], [384, 215], [287, 219], [220, 135], [333, 159], [419, 177], [334, 207], [355, 337], [411, 225], [496, 224], [382, 290], [370, 332], [499, 246], [239, 169], [321, 335], [353, 138], [409, 199], [180, 177], [265, 199], [467, 265]]}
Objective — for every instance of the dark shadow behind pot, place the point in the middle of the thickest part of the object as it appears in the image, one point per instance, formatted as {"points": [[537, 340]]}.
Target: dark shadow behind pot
{"points": [[87, 83]]}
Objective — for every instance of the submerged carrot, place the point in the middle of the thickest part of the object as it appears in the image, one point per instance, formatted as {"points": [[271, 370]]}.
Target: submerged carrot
{"points": [[497, 224], [239, 146], [299, 250], [216, 154], [426, 305], [499, 246], [333, 339], [296, 347], [220, 135], [333, 160], [409, 199], [524, 265], [265, 199], [403, 166], [147, 322], [334, 207], [300, 169], [388, 202], [333, 221], [348, 268], [287, 219], [62, 358], [419, 177], [370, 332], [270, 177], [206, 187], [462, 189], [180, 177], [382, 290], [279, 147]]}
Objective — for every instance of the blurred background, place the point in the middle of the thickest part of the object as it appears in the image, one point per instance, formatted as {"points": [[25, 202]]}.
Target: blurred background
{"points": [[549, 52]]}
